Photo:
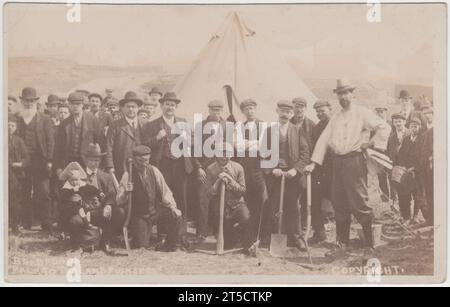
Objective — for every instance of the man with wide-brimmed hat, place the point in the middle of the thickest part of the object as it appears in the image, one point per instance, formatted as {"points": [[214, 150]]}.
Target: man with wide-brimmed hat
{"points": [[37, 131], [123, 135], [152, 202], [111, 217], [75, 134], [159, 135], [293, 157], [346, 136]]}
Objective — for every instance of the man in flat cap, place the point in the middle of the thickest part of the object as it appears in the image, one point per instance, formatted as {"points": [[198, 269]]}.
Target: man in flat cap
{"points": [[408, 157], [293, 157], [346, 135], [37, 131], [217, 123], [159, 135], [256, 195], [321, 177], [398, 134], [123, 135], [75, 134], [85, 94], [300, 120], [104, 119], [152, 202], [236, 214]]}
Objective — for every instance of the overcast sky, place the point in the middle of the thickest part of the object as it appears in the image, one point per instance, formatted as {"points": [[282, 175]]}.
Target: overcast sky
{"points": [[171, 36]]}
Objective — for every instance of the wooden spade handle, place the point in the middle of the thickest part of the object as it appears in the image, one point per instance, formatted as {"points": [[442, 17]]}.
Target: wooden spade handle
{"points": [[220, 239]]}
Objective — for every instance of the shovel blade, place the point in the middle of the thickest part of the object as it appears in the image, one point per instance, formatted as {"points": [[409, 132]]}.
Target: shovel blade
{"points": [[278, 245]]}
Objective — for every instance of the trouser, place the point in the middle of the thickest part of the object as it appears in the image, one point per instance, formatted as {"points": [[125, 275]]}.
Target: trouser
{"points": [[109, 228], [141, 227], [36, 193], [317, 218], [236, 224], [256, 198], [203, 209], [429, 193], [15, 200], [291, 223], [349, 194], [175, 175]]}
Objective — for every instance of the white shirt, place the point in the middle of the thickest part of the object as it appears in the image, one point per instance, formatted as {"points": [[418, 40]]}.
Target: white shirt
{"points": [[348, 130], [284, 129]]}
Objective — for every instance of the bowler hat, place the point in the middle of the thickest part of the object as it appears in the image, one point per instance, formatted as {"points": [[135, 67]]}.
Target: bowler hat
{"points": [[141, 150], [247, 103], [29, 93], [155, 90], [404, 94], [94, 151], [321, 103], [130, 96], [52, 100], [89, 191], [285, 104], [170, 96], [299, 101], [76, 98], [343, 85]]}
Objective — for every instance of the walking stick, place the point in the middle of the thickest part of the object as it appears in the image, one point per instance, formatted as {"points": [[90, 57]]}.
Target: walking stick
{"points": [[220, 240], [308, 212], [128, 211]]}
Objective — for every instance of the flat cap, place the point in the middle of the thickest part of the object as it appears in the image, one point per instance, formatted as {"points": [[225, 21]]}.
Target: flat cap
{"points": [[285, 104], [215, 104], [398, 116], [380, 107], [415, 120], [84, 92], [76, 97], [141, 150], [299, 101], [321, 103], [95, 95], [247, 103]]}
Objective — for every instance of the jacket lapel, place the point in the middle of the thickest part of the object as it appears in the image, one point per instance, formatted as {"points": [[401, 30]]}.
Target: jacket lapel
{"points": [[127, 129]]}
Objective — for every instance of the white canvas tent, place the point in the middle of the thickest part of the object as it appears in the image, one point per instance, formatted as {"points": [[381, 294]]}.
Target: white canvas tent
{"points": [[236, 56]]}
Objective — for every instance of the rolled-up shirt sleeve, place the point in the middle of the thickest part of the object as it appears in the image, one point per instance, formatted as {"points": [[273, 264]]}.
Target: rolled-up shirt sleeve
{"points": [[165, 192], [381, 128]]}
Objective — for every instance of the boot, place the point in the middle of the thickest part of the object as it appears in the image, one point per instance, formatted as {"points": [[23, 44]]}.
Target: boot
{"points": [[368, 234]]}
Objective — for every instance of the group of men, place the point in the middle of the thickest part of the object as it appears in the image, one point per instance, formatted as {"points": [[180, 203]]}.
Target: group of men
{"points": [[166, 189]]}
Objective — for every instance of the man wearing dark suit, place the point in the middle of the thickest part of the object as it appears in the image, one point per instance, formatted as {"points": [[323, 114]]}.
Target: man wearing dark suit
{"points": [[113, 216], [104, 119], [408, 110], [426, 162], [36, 130], [159, 135], [216, 125], [293, 157], [305, 127], [75, 134], [321, 176], [123, 135]]}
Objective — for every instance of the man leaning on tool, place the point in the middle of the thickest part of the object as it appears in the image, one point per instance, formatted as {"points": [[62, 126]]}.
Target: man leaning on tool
{"points": [[346, 135], [293, 157]]}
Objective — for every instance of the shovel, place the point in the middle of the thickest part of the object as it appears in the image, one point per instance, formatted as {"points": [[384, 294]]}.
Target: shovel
{"points": [[278, 241]]}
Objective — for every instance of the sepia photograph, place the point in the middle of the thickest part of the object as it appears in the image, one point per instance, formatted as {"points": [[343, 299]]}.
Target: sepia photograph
{"points": [[238, 143]]}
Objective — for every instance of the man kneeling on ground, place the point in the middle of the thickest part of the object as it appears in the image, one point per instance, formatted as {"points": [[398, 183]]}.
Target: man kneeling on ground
{"points": [[151, 202]]}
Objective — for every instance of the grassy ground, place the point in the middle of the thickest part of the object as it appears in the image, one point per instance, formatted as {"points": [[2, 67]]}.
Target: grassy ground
{"points": [[36, 253]]}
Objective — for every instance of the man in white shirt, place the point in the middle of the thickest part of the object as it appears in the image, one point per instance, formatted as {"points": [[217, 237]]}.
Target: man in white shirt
{"points": [[346, 135]]}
